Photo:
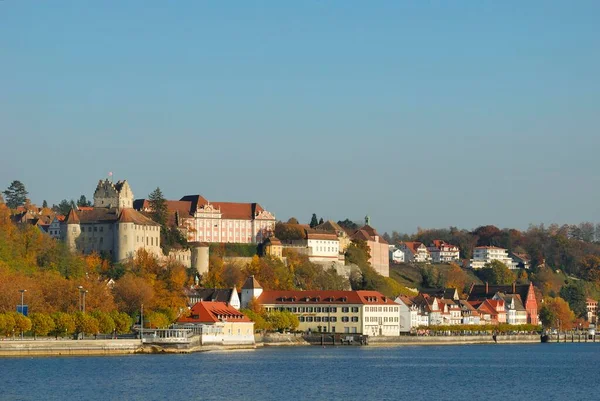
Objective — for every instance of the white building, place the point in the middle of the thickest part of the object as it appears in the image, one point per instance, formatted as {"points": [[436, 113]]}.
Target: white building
{"points": [[415, 252], [323, 247], [360, 312], [442, 252], [485, 254], [409, 314], [396, 255]]}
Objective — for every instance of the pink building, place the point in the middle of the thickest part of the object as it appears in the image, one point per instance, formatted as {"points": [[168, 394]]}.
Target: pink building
{"points": [[379, 249], [205, 221]]}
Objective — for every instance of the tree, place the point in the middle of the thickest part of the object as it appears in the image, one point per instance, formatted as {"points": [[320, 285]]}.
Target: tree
{"points": [[106, 324], [41, 324], [64, 207], [22, 323], [131, 292], [497, 273], [64, 324], [86, 324], [590, 268], [556, 313], [321, 221], [293, 220], [83, 202], [44, 203], [158, 205], [122, 322], [358, 253], [15, 194], [156, 320], [574, 294], [347, 223], [7, 324], [314, 221]]}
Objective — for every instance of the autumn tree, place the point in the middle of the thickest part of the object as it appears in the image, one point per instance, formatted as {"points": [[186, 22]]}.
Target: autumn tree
{"points": [[41, 324], [590, 268], [22, 323], [86, 323], [122, 322], [293, 220], [555, 312], [358, 253], [131, 292], [106, 324], [64, 324], [456, 278], [289, 231], [15, 194], [156, 320]]}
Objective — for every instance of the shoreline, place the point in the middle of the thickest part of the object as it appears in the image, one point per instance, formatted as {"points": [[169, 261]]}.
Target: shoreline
{"points": [[50, 348]]}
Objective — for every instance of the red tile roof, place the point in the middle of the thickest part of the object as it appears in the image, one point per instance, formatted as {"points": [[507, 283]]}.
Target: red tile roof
{"points": [[213, 312], [133, 216], [324, 297]]}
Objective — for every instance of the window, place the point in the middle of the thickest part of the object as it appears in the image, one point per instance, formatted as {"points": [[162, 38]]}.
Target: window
{"points": [[89, 229], [309, 309], [309, 319], [324, 319], [355, 309], [355, 319], [317, 319], [101, 228], [333, 329], [345, 319], [333, 310], [301, 319], [95, 229], [317, 309], [345, 309]]}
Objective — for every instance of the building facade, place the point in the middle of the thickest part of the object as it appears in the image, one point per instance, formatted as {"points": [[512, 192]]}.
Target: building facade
{"points": [[221, 222], [378, 247], [486, 254], [442, 252], [415, 252], [111, 226]]}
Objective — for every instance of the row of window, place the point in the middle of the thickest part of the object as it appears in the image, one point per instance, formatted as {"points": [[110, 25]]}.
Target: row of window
{"points": [[332, 319], [385, 319], [381, 309], [316, 309]]}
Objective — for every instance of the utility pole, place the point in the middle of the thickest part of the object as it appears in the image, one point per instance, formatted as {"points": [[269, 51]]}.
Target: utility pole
{"points": [[142, 324]]}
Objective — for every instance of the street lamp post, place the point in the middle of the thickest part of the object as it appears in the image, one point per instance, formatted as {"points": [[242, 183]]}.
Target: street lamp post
{"points": [[82, 292], [22, 307], [142, 324]]}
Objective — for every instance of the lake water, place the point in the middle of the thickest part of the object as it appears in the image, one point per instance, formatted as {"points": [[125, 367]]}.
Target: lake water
{"points": [[479, 372]]}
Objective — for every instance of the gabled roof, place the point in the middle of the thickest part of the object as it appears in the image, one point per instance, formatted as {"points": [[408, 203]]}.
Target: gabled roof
{"points": [[478, 291], [212, 294], [133, 216], [251, 283], [324, 297], [213, 312], [72, 217], [368, 233], [412, 245], [331, 225]]}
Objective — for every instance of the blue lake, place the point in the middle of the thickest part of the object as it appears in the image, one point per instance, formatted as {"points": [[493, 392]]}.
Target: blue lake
{"points": [[487, 372]]}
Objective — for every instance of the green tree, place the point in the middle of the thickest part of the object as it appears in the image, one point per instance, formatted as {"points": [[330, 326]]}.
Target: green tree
{"points": [[41, 324], [158, 205], [106, 324], [156, 320], [63, 207], [314, 221], [321, 221], [497, 273], [22, 323], [86, 324], [122, 322], [7, 324], [44, 203], [349, 224], [574, 294], [282, 320], [555, 312], [358, 253], [64, 324], [83, 201], [15, 194]]}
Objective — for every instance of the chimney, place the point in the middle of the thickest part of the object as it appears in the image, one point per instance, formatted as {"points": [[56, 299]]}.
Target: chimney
{"points": [[514, 287], [486, 288]]}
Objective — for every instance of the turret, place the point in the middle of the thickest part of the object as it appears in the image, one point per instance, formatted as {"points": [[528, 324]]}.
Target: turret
{"points": [[72, 227], [199, 257], [251, 289]]}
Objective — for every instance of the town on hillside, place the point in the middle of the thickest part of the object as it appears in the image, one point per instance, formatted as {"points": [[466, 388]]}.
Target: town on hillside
{"points": [[226, 270]]}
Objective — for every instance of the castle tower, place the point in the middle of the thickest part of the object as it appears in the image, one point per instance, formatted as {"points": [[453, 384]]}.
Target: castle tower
{"points": [[199, 257], [251, 289], [72, 229], [125, 236], [110, 195]]}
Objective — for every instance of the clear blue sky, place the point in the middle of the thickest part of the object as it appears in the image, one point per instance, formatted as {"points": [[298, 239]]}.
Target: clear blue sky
{"points": [[418, 113]]}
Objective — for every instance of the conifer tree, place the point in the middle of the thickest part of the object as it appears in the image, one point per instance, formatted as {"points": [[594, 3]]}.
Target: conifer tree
{"points": [[15, 194]]}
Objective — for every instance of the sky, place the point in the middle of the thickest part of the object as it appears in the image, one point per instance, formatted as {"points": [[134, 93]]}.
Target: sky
{"points": [[416, 113]]}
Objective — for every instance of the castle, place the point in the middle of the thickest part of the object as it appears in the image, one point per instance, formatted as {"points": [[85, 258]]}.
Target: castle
{"points": [[114, 229]]}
